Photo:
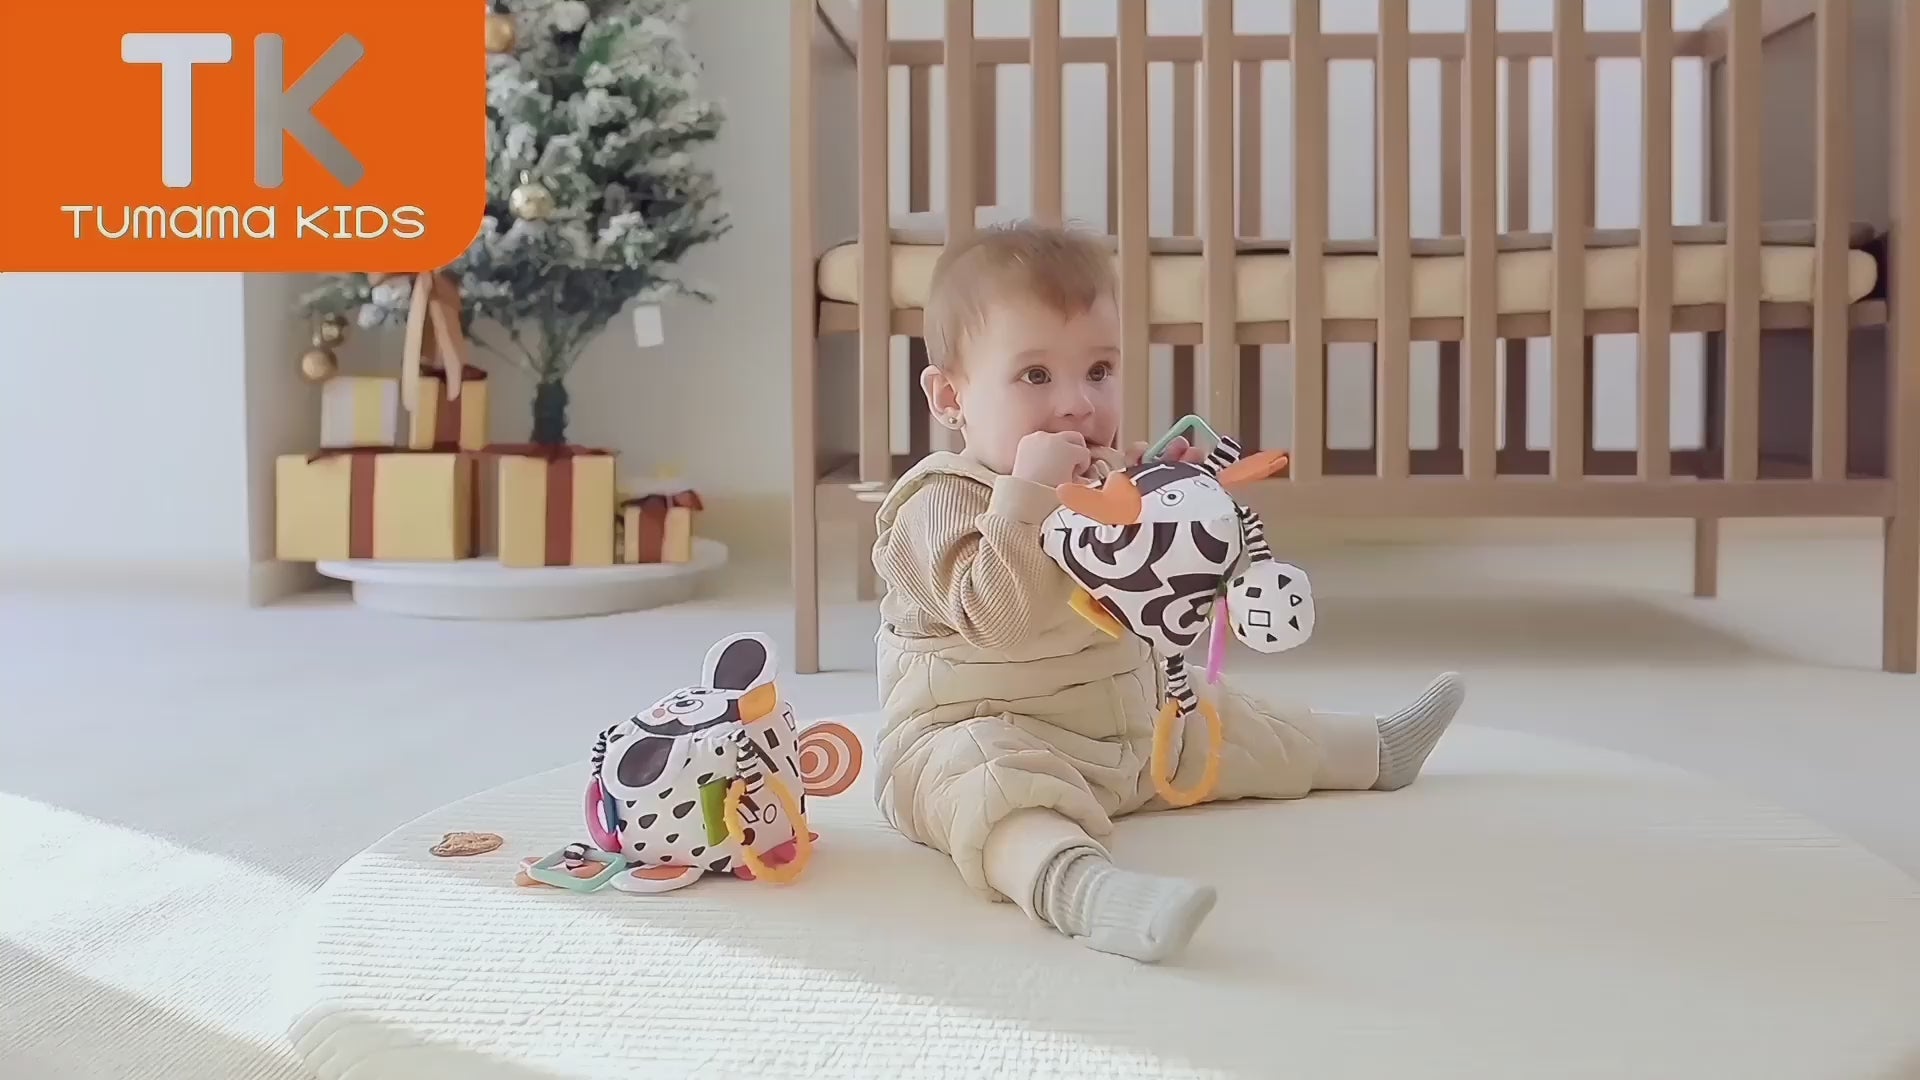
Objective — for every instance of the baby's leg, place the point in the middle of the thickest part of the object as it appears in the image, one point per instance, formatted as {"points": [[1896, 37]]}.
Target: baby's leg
{"points": [[1018, 817], [1062, 877]]}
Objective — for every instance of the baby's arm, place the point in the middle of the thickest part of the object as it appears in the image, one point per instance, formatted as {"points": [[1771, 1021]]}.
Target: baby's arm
{"points": [[974, 560]]}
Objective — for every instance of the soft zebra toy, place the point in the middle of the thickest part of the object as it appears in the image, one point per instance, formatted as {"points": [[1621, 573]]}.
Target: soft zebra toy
{"points": [[1162, 551]]}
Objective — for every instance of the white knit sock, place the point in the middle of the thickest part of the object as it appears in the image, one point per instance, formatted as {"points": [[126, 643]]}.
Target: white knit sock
{"points": [[1408, 736], [1142, 916]]}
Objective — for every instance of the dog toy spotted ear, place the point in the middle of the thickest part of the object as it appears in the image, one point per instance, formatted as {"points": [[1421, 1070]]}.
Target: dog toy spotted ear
{"points": [[1162, 550], [711, 779]]}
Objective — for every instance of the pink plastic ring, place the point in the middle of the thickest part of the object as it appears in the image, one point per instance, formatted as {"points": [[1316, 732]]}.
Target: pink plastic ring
{"points": [[598, 827]]}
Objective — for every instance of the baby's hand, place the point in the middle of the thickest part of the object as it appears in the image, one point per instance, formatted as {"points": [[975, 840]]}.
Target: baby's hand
{"points": [[1177, 450], [1104, 460], [1050, 458]]}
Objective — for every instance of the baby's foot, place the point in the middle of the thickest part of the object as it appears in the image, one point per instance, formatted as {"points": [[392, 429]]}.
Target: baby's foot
{"points": [[1141, 916], [1407, 737]]}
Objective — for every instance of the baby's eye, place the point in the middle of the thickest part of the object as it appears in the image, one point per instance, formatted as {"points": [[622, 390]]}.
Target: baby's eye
{"points": [[1101, 372], [1035, 376]]}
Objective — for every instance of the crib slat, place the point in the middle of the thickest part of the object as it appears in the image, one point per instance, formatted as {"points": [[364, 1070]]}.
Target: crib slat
{"points": [[1570, 181], [876, 257], [1833, 181], [1251, 78], [1113, 141], [1130, 110], [1900, 553], [962, 196], [986, 136], [1452, 142], [1221, 393], [922, 436], [1391, 358], [1743, 244], [1519, 215], [1047, 98], [802, 129], [1480, 118], [1184, 203], [919, 139], [1309, 75], [1656, 237]]}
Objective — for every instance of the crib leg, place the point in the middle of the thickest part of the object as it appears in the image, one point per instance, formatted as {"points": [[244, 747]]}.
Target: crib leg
{"points": [[1706, 556], [1900, 606]]}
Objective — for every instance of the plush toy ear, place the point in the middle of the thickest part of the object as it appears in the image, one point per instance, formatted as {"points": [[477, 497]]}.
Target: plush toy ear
{"points": [[739, 662], [1254, 467], [830, 758], [1116, 503]]}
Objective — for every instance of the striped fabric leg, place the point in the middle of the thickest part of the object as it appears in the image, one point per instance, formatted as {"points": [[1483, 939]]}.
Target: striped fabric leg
{"points": [[1255, 532], [1224, 453], [1178, 689]]}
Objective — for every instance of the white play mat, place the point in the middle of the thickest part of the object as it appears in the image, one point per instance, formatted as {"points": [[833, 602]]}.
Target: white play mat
{"points": [[1529, 909]]}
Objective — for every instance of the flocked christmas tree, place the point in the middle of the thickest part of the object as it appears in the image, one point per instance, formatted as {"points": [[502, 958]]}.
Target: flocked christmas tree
{"points": [[593, 192]]}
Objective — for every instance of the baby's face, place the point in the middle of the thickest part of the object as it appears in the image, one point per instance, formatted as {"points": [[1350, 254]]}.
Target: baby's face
{"points": [[1030, 369]]}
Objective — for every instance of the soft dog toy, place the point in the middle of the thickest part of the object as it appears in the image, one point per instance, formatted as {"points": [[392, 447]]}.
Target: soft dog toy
{"points": [[712, 778], [1162, 551]]}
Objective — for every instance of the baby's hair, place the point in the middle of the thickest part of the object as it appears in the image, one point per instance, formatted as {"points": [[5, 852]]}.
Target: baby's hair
{"points": [[1064, 268]]}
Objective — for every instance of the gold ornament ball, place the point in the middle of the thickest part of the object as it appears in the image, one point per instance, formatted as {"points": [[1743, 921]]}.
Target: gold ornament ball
{"points": [[333, 330], [530, 201], [319, 364], [500, 33]]}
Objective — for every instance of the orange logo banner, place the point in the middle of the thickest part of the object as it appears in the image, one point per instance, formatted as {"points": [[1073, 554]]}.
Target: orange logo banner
{"points": [[241, 135]]}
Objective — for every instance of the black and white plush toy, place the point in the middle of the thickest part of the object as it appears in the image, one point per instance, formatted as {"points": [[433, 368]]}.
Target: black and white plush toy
{"points": [[714, 777], [1161, 550]]}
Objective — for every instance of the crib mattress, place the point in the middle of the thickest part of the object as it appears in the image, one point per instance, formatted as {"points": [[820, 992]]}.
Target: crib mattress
{"points": [[1263, 273], [1529, 908]]}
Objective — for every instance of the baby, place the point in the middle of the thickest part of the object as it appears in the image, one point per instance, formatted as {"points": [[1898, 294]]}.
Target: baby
{"points": [[1015, 730]]}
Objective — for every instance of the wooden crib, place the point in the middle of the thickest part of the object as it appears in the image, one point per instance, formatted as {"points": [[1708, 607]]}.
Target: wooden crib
{"points": [[1811, 387]]}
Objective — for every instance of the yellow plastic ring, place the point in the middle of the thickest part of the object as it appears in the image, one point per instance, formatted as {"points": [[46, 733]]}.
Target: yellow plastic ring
{"points": [[736, 831], [1164, 766]]}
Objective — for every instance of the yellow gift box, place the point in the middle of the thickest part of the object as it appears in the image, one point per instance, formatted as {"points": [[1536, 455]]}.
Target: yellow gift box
{"points": [[360, 410], [657, 527], [374, 504], [555, 505], [438, 423]]}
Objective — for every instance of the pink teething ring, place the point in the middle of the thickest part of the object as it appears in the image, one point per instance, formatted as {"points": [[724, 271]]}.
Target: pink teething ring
{"points": [[597, 826]]}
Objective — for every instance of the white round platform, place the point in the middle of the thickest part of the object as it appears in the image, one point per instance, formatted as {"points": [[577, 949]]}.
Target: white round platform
{"points": [[1527, 909], [483, 589]]}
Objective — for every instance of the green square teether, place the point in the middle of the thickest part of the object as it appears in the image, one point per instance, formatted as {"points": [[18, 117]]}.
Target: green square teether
{"points": [[713, 798]]}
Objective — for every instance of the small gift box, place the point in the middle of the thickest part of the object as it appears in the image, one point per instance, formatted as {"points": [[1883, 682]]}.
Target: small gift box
{"points": [[440, 421], [374, 504], [555, 505], [656, 523], [360, 410]]}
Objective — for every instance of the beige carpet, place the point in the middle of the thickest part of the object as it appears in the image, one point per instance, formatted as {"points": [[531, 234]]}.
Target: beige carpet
{"points": [[207, 769]]}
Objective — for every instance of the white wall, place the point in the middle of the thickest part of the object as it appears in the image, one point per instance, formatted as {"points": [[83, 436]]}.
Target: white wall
{"points": [[123, 440], [1351, 190]]}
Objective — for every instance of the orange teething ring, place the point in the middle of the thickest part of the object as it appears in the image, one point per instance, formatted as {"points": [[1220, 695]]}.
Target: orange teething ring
{"points": [[1164, 767]]}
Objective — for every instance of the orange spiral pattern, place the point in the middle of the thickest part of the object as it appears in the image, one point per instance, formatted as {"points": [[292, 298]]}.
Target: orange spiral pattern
{"points": [[830, 758]]}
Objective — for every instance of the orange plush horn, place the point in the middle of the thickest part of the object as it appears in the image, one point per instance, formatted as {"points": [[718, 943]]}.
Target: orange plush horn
{"points": [[1115, 503], [1254, 467]]}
